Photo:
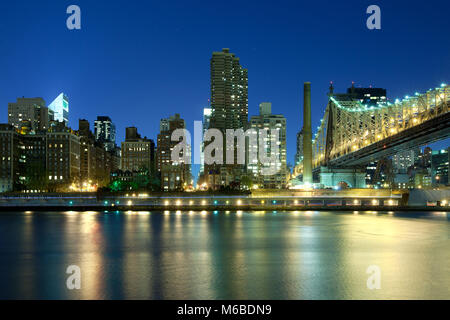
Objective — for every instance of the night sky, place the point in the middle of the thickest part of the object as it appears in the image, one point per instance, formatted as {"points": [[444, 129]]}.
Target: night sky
{"points": [[140, 61]]}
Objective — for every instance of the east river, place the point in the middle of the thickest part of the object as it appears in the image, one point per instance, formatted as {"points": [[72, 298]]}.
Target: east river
{"points": [[225, 255]]}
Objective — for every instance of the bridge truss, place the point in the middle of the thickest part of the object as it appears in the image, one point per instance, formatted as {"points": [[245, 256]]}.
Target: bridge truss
{"points": [[351, 130]]}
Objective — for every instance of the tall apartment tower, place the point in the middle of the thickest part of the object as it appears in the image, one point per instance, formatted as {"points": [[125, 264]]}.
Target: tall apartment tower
{"points": [[229, 91], [229, 110]]}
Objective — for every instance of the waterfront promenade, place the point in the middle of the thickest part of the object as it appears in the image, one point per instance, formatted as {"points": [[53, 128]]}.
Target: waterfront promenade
{"points": [[281, 200]]}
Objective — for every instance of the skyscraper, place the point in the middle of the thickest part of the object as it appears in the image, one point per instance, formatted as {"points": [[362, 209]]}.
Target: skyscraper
{"points": [[229, 110], [105, 132], [229, 91], [60, 108]]}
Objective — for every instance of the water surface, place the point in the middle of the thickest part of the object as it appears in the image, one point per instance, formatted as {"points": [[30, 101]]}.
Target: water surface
{"points": [[235, 255]]}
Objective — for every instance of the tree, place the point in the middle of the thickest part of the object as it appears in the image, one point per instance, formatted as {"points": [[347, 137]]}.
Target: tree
{"points": [[247, 182]]}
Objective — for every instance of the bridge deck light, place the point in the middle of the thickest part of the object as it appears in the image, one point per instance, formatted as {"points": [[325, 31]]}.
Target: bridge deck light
{"points": [[374, 202], [191, 202], [129, 202], [178, 202], [239, 202], [203, 202]]}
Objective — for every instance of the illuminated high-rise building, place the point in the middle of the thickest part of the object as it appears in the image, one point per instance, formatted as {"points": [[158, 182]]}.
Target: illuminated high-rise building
{"points": [[229, 91], [105, 132], [402, 160], [272, 124], [60, 108], [440, 160], [229, 110]]}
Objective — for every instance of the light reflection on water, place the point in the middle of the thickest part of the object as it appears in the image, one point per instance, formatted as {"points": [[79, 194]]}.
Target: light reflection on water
{"points": [[225, 255]]}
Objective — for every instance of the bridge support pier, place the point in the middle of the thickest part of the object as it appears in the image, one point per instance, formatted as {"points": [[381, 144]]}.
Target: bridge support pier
{"points": [[351, 178]]}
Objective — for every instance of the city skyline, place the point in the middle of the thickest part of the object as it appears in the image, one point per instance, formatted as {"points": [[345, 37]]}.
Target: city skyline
{"points": [[224, 155], [99, 81]]}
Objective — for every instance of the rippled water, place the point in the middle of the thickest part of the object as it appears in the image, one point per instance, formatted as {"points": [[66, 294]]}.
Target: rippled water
{"points": [[284, 255]]}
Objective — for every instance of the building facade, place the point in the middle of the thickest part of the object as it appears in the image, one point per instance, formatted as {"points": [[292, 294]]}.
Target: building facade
{"points": [[31, 110], [273, 124], [229, 91], [96, 162], [63, 156], [10, 148], [60, 108], [137, 153], [105, 132], [440, 166], [404, 160], [229, 110], [174, 175], [205, 125]]}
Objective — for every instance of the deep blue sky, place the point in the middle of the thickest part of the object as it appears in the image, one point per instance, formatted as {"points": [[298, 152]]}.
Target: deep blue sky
{"points": [[139, 61]]}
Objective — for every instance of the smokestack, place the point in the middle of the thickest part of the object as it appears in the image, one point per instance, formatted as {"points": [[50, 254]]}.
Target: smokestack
{"points": [[307, 135]]}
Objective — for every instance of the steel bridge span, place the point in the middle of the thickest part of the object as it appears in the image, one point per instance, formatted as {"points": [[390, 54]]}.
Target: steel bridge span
{"points": [[352, 134]]}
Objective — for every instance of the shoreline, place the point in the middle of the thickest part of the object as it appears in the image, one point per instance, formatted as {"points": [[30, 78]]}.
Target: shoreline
{"points": [[112, 209]]}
